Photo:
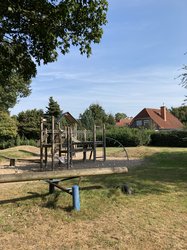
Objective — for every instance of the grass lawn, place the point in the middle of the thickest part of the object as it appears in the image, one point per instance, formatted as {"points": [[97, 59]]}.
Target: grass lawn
{"points": [[153, 217]]}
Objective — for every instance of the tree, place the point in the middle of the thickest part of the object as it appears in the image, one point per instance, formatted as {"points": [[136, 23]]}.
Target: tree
{"points": [[53, 108], [119, 116], [11, 89], [29, 123], [32, 32], [86, 119], [184, 77], [98, 114], [95, 114], [8, 126], [111, 120], [180, 113]]}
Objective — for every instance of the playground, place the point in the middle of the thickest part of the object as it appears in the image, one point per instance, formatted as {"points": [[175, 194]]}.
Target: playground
{"points": [[61, 145]]}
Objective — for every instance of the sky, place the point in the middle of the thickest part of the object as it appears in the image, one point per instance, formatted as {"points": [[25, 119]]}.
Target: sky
{"points": [[136, 64]]}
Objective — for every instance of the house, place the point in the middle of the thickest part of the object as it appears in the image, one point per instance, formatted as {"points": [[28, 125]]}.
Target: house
{"points": [[158, 119], [125, 122]]}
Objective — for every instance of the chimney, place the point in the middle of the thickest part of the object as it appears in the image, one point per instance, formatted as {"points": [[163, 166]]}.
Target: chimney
{"points": [[163, 112]]}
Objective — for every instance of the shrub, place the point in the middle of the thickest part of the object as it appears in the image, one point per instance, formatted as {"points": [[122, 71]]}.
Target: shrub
{"points": [[7, 143], [169, 139], [128, 136]]}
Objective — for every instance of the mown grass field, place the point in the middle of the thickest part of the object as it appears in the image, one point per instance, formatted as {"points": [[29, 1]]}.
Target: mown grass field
{"points": [[153, 217]]}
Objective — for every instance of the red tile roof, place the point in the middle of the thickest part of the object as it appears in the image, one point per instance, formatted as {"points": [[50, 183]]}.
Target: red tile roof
{"points": [[124, 122], [155, 114]]}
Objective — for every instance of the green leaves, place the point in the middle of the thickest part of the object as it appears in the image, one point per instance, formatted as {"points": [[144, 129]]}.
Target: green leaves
{"points": [[53, 108], [180, 113], [31, 32], [8, 127], [29, 123], [95, 114], [43, 26]]}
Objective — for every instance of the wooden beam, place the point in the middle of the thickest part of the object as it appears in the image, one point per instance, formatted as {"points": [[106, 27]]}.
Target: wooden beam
{"points": [[33, 176]]}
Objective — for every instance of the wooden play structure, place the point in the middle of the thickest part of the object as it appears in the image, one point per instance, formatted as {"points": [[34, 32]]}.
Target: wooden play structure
{"points": [[60, 139]]}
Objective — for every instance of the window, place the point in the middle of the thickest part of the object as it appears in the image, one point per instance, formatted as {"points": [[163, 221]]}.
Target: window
{"points": [[146, 123], [139, 123]]}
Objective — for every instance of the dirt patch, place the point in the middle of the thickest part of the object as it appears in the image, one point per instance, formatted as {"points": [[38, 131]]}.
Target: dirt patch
{"points": [[25, 166]]}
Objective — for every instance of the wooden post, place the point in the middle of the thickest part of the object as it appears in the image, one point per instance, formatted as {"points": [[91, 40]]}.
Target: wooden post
{"points": [[12, 162], [59, 141], [52, 142], [41, 143], [85, 135], [68, 148], [75, 131], [84, 152], [45, 141], [94, 142], [104, 143], [45, 156], [51, 186]]}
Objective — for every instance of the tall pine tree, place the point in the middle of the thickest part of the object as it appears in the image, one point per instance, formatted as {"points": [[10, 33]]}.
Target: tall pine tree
{"points": [[53, 108]]}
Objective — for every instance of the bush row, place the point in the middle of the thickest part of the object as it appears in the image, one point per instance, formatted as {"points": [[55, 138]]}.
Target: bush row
{"points": [[128, 137], [136, 137], [18, 141], [169, 139]]}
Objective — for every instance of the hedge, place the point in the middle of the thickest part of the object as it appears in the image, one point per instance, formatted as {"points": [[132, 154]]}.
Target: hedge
{"points": [[169, 139], [128, 137]]}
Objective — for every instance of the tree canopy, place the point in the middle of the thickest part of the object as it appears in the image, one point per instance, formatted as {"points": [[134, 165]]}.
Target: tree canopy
{"points": [[33, 32], [29, 123], [8, 126], [119, 116], [180, 113], [94, 114], [184, 78]]}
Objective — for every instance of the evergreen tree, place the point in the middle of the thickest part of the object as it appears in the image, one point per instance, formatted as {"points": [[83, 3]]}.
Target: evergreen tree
{"points": [[53, 108], [180, 113]]}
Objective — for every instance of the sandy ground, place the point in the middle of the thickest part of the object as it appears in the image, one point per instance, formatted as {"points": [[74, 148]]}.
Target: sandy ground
{"points": [[24, 166]]}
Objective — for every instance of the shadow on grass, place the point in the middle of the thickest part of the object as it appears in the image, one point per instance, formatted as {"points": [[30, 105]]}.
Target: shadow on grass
{"points": [[29, 153], [28, 197], [160, 173]]}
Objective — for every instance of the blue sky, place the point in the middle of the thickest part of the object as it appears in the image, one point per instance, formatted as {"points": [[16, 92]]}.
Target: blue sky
{"points": [[135, 65]]}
